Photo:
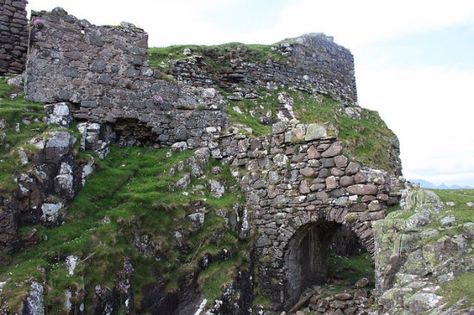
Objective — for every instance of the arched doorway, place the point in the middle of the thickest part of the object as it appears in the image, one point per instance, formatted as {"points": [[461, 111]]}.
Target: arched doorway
{"points": [[307, 258]]}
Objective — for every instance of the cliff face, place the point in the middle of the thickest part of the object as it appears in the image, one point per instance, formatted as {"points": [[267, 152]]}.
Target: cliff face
{"points": [[216, 171]]}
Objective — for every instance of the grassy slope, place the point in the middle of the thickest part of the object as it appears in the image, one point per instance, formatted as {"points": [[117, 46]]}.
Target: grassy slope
{"points": [[23, 120], [462, 286], [131, 189]]}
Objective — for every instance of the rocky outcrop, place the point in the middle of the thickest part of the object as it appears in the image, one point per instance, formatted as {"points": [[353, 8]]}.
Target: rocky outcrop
{"points": [[419, 250], [49, 175], [13, 36], [53, 179]]}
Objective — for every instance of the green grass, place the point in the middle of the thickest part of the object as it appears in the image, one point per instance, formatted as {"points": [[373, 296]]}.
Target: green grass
{"points": [[460, 197], [252, 110], [216, 276], [28, 117], [367, 140], [131, 190], [460, 288], [352, 268], [162, 57]]}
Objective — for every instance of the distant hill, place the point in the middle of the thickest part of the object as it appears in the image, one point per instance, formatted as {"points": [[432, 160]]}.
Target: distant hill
{"points": [[426, 184]]}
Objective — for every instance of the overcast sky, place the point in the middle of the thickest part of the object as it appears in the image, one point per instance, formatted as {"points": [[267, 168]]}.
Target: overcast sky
{"points": [[414, 59]]}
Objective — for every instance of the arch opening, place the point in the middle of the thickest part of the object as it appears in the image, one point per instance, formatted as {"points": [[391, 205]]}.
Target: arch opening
{"points": [[320, 253]]}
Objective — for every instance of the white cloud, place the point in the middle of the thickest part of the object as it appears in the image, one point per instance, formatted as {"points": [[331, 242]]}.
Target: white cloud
{"points": [[358, 23], [431, 111], [353, 23], [167, 22]]}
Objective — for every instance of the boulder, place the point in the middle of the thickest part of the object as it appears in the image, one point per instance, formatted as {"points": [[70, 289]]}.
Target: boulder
{"points": [[315, 131], [217, 188]]}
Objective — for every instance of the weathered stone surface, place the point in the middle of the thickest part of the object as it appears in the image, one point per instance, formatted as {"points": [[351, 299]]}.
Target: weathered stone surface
{"points": [[197, 220], [361, 189], [331, 182], [408, 281], [51, 212], [346, 181], [352, 168], [343, 296], [375, 205], [59, 114], [362, 283], [313, 153], [315, 131], [360, 178], [184, 181], [34, 301], [304, 188], [333, 150], [341, 161], [217, 188], [202, 156], [118, 89], [307, 171], [280, 160], [336, 172], [122, 100], [448, 220]]}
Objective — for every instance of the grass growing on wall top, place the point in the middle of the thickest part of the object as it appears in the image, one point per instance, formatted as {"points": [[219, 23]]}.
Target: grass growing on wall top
{"points": [[252, 110], [257, 53], [367, 140], [127, 197]]}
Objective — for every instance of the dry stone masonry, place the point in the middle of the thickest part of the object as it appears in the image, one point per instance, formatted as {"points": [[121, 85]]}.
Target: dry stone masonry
{"points": [[102, 72], [301, 187], [299, 181], [314, 63], [13, 36]]}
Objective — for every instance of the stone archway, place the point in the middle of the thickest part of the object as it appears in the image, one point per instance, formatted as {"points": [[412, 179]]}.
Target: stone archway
{"points": [[306, 261]]}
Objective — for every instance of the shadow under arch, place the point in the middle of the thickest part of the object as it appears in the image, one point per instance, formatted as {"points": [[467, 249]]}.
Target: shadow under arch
{"points": [[307, 255]]}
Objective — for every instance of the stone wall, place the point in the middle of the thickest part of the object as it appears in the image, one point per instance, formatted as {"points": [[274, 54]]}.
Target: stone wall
{"points": [[102, 72], [13, 36], [296, 177], [314, 63]]}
